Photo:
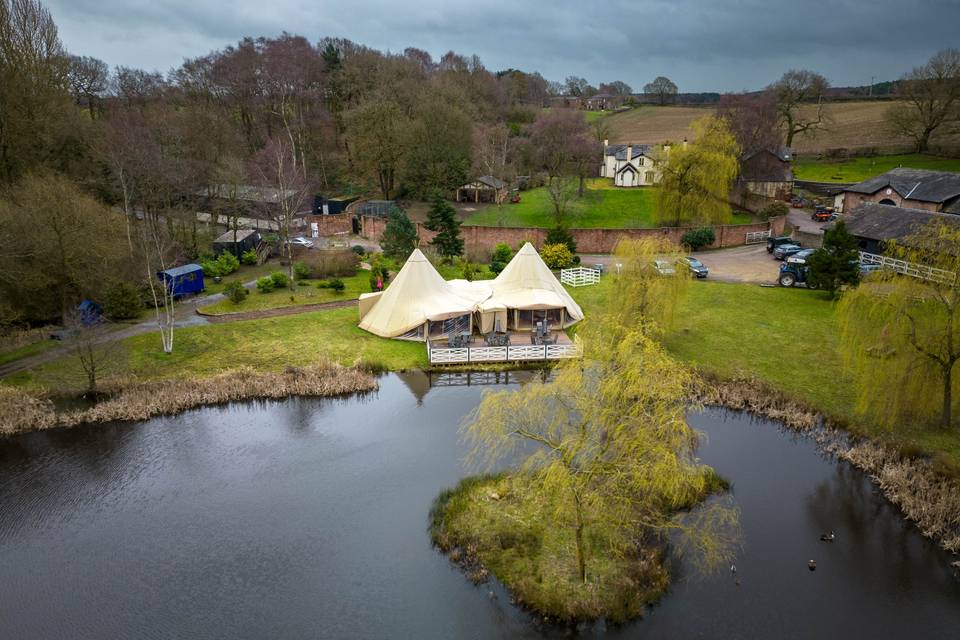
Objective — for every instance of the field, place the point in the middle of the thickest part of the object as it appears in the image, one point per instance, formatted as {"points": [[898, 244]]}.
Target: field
{"points": [[857, 169], [851, 125], [602, 205]]}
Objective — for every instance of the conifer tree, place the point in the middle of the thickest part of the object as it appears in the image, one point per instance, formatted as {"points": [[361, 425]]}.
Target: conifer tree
{"points": [[443, 220]]}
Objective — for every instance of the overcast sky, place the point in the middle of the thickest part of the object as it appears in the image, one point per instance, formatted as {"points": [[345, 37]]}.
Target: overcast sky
{"points": [[703, 45]]}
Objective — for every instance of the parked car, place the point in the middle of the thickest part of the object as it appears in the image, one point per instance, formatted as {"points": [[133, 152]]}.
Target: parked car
{"points": [[801, 256], [822, 214], [797, 202], [697, 268], [300, 242], [784, 251], [774, 242], [664, 267]]}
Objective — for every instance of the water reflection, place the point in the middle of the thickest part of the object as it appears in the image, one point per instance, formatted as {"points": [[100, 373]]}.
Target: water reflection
{"points": [[306, 518]]}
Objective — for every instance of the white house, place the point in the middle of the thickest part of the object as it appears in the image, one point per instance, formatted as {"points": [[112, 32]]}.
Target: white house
{"points": [[629, 165]]}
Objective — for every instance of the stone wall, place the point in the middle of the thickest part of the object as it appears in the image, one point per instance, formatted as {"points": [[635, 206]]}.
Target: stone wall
{"points": [[588, 240]]}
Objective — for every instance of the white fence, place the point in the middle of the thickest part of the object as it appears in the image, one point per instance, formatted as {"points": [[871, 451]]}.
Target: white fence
{"points": [[912, 269], [753, 237], [579, 276], [513, 353]]}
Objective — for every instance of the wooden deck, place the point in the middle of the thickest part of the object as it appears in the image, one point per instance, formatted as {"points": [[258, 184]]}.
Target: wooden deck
{"points": [[519, 350]]}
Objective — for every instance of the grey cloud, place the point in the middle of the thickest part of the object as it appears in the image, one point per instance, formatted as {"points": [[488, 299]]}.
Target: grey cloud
{"points": [[702, 44]]}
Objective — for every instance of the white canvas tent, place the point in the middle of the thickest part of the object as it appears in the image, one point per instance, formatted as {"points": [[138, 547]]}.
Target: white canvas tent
{"points": [[417, 295], [527, 284], [419, 301]]}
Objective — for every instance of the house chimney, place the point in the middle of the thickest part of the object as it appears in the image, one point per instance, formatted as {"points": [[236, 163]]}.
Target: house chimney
{"points": [[629, 152], [606, 143]]}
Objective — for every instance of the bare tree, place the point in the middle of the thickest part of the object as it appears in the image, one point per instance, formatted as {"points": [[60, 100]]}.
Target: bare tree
{"points": [[491, 152], [796, 89], [753, 120], [663, 88], [89, 79], [616, 88], [562, 191], [276, 167], [158, 250], [932, 94]]}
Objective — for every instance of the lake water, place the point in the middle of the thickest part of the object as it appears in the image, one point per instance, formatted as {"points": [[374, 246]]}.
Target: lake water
{"points": [[307, 519]]}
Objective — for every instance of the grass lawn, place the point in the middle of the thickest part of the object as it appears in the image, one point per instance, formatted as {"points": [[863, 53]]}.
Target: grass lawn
{"points": [[602, 205], [243, 274], [27, 350], [306, 292], [858, 169]]}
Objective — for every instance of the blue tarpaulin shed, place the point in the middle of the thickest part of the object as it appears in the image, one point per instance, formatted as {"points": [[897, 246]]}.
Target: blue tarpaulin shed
{"points": [[183, 280]]}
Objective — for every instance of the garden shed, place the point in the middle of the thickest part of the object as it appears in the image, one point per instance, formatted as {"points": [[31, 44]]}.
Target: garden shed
{"points": [[183, 280], [237, 242]]}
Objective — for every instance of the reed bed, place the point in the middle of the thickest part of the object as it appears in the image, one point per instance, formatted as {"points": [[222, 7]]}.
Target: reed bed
{"points": [[927, 498], [21, 411]]}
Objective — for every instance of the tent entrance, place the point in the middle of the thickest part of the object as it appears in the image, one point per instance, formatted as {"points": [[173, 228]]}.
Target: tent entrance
{"points": [[525, 319]]}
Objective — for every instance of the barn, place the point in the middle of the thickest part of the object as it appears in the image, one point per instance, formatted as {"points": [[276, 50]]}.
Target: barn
{"points": [[237, 242]]}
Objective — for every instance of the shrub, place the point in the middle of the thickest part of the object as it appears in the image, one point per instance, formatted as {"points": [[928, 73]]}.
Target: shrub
{"points": [[699, 238], [357, 249], [225, 264], [325, 264], [301, 270], [249, 257], [469, 270], [774, 209], [561, 235], [379, 271], [265, 284], [236, 292], [502, 254], [337, 285], [556, 256], [280, 279], [122, 301]]}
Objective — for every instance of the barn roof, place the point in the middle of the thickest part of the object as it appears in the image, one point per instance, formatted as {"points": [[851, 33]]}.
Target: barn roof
{"points": [[914, 184], [886, 222], [488, 181], [227, 237]]}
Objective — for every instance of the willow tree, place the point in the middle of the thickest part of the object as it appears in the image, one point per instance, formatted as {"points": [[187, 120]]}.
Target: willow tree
{"points": [[901, 334], [604, 448], [644, 297], [695, 178]]}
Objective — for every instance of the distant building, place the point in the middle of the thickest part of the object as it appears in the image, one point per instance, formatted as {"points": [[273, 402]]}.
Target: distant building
{"points": [[874, 224], [483, 189], [767, 173], [914, 188], [630, 165], [246, 206], [603, 102]]}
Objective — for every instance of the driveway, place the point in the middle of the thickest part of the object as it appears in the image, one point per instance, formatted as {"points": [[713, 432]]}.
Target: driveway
{"points": [[800, 219], [750, 263]]}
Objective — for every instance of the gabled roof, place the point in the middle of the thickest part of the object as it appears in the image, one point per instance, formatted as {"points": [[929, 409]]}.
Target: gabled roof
{"points": [[886, 222], [227, 237], [914, 184], [628, 167], [782, 154], [489, 181], [619, 151]]}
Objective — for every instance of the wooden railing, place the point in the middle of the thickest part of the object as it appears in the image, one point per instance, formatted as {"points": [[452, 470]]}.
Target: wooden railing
{"points": [[579, 276], [919, 271], [512, 353]]}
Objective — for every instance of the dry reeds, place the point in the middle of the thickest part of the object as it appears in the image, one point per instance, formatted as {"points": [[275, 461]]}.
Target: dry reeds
{"points": [[22, 412], [927, 498]]}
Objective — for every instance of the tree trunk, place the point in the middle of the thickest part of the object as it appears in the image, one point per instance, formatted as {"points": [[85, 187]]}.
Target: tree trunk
{"points": [[581, 559], [947, 396]]}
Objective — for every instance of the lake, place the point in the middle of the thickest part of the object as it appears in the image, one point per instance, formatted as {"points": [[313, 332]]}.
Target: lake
{"points": [[307, 518]]}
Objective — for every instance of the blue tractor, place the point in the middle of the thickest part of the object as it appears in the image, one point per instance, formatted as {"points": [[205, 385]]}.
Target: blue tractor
{"points": [[793, 273]]}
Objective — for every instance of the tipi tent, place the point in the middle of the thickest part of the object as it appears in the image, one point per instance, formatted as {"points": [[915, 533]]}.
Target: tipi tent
{"points": [[530, 292], [417, 295]]}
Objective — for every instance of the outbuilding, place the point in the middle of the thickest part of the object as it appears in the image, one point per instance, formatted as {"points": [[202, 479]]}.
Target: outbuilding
{"points": [[483, 189], [874, 224], [183, 280], [237, 242]]}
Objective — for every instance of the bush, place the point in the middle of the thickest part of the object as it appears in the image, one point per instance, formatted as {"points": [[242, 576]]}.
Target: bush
{"points": [[357, 249], [301, 271], [502, 254], [774, 209], [557, 256], [280, 279], [337, 285], [225, 264], [469, 270], [325, 264], [122, 301], [560, 235], [265, 284], [699, 238], [235, 292], [379, 271], [249, 257]]}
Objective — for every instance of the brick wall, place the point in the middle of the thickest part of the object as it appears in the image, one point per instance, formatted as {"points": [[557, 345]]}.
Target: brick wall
{"points": [[331, 225], [588, 240], [853, 200]]}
